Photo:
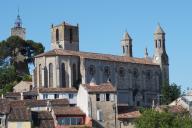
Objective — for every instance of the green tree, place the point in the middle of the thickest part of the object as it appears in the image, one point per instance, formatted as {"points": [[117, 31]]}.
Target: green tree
{"points": [[154, 119], [170, 93], [19, 53], [15, 56]]}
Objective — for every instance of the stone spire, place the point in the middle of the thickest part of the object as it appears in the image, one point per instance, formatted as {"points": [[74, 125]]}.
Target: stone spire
{"points": [[160, 56], [159, 30], [126, 44]]}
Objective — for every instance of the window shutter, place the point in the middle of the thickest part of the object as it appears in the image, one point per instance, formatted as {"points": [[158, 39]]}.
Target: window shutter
{"points": [[102, 97], [98, 115], [112, 97], [101, 115]]}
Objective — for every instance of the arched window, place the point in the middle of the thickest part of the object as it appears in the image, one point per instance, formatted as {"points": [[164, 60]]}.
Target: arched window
{"points": [[45, 77], [57, 34], [40, 75], [106, 71], [63, 83], [156, 43], [50, 75], [71, 35], [148, 75], [135, 73], [92, 70], [121, 72], [159, 44], [74, 74]]}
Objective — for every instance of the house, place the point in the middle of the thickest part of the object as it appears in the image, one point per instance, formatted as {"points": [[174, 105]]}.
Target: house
{"points": [[99, 103], [184, 101], [58, 93], [19, 117], [127, 115], [42, 119], [23, 86], [13, 95], [4, 111], [69, 116]]}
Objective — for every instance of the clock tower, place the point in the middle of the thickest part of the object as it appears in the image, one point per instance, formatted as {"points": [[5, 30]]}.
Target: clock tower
{"points": [[18, 30], [160, 56]]}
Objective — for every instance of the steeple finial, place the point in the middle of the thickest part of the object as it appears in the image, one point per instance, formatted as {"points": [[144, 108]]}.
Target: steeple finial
{"points": [[18, 21], [18, 11]]}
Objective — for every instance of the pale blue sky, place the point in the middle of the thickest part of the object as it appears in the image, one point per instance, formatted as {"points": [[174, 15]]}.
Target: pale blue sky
{"points": [[103, 22]]}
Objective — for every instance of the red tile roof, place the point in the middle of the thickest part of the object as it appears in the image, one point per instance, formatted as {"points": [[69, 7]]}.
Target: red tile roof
{"points": [[97, 56], [68, 111], [104, 87]]}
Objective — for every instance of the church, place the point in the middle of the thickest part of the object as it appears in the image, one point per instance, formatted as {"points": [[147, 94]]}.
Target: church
{"points": [[138, 80]]}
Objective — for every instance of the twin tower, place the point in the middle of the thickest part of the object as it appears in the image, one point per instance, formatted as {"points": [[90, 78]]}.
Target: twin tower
{"points": [[66, 36]]}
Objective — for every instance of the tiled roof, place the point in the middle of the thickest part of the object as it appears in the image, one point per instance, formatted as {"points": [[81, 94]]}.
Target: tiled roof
{"points": [[43, 119], [39, 103], [68, 111], [4, 106], [104, 87], [19, 114], [171, 108], [177, 109], [30, 93], [12, 94], [127, 112], [129, 115], [57, 90], [97, 56]]}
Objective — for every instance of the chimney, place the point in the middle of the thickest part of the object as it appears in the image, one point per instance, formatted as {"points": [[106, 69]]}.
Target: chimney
{"points": [[93, 82]]}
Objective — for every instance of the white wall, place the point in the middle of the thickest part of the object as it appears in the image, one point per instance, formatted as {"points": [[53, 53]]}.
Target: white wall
{"points": [[61, 96], [82, 100]]}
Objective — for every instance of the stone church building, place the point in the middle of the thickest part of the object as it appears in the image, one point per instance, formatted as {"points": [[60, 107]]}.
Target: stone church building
{"points": [[138, 80]]}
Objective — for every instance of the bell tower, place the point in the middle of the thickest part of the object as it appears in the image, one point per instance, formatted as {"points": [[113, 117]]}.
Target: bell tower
{"points": [[65, 36], [126, 44], [18, 30], [160, 56]]}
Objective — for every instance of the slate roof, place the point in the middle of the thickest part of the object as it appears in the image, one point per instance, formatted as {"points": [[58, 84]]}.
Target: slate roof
{"points": [[104, 87], [97, 56], [68, 111]]}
